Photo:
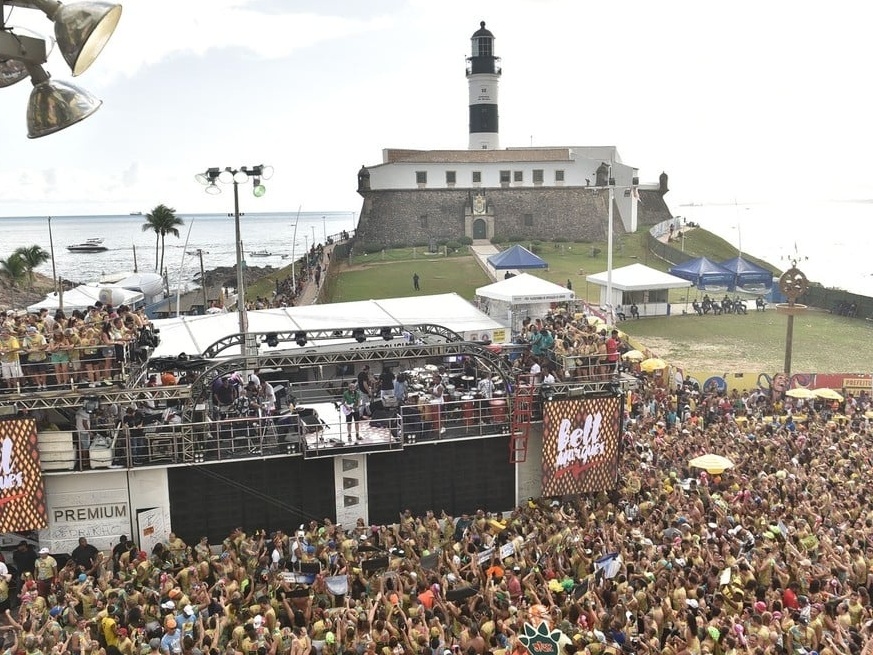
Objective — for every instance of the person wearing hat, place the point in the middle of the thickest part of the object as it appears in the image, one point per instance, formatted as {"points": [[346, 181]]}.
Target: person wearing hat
{"points": [[10, 360], [46, 569], [171, 642]]}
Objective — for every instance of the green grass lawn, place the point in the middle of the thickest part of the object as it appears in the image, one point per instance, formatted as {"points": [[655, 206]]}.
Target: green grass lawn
{"points": [[822, 343], [393, 279], [751, 343]]}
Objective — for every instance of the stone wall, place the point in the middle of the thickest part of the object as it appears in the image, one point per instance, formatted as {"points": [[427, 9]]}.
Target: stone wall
{"points": [[651, 209], [410, 217]]}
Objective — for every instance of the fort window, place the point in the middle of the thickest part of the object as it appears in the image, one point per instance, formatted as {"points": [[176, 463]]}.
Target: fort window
{"points": [[477, 177], [422, 221], [504, 177], [421, 178], [518, 176], [450, 178], [559, 176], [538, 176], [528, 220]]}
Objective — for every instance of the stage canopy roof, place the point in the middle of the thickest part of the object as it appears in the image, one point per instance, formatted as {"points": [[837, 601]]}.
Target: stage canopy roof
{"points": [[193, 334]]}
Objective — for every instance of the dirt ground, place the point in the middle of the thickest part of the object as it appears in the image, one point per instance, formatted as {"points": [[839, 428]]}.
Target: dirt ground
{"points": [[703, 356]]}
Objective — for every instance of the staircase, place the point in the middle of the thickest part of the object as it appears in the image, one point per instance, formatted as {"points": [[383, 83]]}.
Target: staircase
{"points": [[519, 425]]}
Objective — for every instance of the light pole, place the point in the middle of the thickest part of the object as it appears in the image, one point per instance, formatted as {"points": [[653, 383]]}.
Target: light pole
{"points": [[293, 249], [324, 227], [237, 176], [313, 235]]}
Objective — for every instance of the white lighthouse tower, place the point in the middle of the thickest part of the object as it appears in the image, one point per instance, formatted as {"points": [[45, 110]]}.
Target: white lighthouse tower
{"points": [[483, 74]]}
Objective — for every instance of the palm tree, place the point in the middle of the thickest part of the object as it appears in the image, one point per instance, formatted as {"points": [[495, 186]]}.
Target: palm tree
{"points": [[162, 220], [32, 256], [13, 270]]}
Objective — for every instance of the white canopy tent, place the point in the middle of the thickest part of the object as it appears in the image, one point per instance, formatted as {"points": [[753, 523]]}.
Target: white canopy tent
{"points": [[193, 334], [641, 285], [513, 299], [84, 296]]}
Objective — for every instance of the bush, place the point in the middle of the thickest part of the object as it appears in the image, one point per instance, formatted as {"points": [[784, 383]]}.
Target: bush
{"points": [[371, 248], [560, 239], [465, 240], [454, 246], [536, 248], [497, 240], [420, 244]]}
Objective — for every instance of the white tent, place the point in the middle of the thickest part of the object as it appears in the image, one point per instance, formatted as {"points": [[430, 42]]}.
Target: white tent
{"points": [[193, 334], [525, 289], [84, 296], [641, 285], [515, 298]]}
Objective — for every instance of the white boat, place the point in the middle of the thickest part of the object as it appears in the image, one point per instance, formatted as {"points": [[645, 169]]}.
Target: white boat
{"points": [[94, 244], [260, 253]]}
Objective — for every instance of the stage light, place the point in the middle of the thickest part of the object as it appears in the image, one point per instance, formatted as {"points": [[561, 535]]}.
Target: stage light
{"points": [[386, 333], [358, 334], [300, 338], [272, 340]]}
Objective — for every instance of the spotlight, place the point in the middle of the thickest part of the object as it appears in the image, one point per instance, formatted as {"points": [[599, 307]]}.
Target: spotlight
{"points": [[258, 189], [272, 340], [386, 333], [91, 404], [358, 334], [300, 338]]}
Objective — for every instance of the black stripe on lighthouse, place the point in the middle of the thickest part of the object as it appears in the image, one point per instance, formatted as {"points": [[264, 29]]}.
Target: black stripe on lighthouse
{"points": [[483, 118]]}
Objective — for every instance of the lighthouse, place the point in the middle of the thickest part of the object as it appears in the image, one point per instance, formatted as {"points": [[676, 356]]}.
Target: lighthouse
{"points": [[483, 74]]}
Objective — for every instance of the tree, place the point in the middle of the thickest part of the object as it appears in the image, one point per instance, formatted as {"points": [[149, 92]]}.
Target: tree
{"points": [[32, 257], [162, 220], [13, 270]]}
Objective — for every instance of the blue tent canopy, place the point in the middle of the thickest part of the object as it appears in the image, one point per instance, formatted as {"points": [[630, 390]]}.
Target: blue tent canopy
{"points": [[748, 274], [516, 257], [704, 273]]}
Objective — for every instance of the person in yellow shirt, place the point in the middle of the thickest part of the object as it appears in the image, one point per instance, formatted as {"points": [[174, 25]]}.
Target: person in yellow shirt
{"points": [[10, 361]]}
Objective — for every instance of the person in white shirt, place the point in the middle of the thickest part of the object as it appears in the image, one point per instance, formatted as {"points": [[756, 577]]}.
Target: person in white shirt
{"points": [[535, 371], [268, 397]]}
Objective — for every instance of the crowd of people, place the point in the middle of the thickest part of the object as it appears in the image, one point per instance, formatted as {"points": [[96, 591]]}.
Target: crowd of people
{"points": [[774, 555], [46, 350]]}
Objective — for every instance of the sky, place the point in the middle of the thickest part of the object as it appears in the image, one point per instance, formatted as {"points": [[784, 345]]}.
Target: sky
{"points": [[746, 101]]}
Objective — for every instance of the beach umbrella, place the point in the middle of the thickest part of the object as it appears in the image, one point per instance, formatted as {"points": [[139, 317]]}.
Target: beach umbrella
{"points": [[653, 364], [828, 394], [801, 393], [633, 356], [711, 463]]}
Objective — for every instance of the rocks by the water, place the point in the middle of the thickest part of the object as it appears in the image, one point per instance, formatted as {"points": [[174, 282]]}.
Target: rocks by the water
{"points": [[225, 276]]}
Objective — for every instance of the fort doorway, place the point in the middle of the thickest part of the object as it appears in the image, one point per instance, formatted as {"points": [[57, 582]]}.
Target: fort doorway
{"points": [[480, 229]]}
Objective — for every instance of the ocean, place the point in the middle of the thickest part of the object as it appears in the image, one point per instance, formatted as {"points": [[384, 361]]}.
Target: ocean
{"points": [[214, 234], [826, 238]]}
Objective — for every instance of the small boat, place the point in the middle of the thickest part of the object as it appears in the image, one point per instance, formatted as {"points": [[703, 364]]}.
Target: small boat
{"points": [[260, 253], [196, 252], [94, 244], [136, 213]]}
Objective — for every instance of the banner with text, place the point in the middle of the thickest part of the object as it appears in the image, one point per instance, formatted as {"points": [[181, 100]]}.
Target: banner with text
{"points": [[22, 495], [580, 445]]}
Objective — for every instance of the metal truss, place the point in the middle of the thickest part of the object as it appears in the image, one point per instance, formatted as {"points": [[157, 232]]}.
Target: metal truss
{"points": [[72, 398], [368, 352], [424, 333]]}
